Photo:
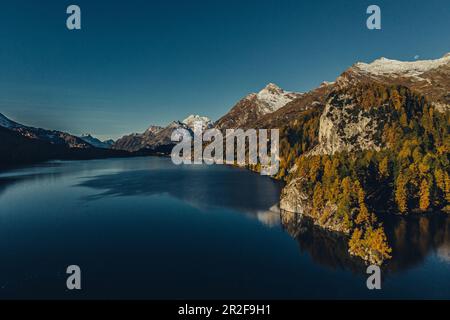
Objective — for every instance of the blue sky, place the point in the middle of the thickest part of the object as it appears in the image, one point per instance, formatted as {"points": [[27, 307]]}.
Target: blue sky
{"points": [[136, 63]]}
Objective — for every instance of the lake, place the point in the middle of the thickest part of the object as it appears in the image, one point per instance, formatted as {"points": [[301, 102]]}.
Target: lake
{"points": [[143, 228]]}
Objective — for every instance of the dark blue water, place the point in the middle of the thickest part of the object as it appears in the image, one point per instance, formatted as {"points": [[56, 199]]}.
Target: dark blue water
{"points": [[144, 228]]}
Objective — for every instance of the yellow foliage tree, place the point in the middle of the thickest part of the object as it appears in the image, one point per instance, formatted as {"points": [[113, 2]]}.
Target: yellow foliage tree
{"points": [[318, 201], [376, 242], [401, 196], [424, 201], [383, 168], [355, 244]]}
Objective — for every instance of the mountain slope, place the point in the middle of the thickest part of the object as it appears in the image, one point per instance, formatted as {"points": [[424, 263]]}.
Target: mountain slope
{"points": [[96, 142], [50, 136], [192, 119], [16, 149], [428, 77], [136, 141], [157, 137], [254, 106]]}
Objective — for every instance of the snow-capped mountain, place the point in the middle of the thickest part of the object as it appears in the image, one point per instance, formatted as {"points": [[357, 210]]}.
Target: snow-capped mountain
{"points": [[384, 66], [256, 105], [190, 121], [345, 125], [273, 98], [96, 142], [429, 77], [156, 136], [51, 136], [152, 130]]}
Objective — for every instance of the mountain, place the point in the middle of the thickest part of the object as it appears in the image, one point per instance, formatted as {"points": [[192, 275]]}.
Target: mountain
{"points": [[109, 143], [22, 145], [157, 138], [51, 136], [190, 121], [377, 140], [256, 105], [136, 141], [7, 123], [429, 77], [312, 101], [96, 142]]}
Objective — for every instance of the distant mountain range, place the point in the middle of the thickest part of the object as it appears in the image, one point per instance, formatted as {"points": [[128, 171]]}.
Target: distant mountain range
{"points": [[272, 107], [50, 136], [156, 137], [21, 144]]}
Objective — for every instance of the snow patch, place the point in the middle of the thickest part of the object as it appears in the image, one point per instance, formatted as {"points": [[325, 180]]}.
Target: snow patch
{"points": [[384, 66], [190, 121], [9, 124], [274, 98]]}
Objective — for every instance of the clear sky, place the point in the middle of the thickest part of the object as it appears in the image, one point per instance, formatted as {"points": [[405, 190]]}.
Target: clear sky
{"points": [[142, 62]]}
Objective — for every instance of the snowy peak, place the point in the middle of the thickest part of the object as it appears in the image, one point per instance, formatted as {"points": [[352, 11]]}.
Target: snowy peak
{"points": [[430, 78], [271, 88], [384, 66], [190, 121], [273, 98], [256, 105], [152, 130]]}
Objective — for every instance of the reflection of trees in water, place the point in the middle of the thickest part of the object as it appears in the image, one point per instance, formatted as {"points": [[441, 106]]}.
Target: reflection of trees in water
{"points": [[414, 237], [411, 238], [326, 248]]}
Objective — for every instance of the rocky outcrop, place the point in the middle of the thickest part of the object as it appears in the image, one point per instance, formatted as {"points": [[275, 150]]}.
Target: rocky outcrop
{"points": [[346, 126], [296, 198]]}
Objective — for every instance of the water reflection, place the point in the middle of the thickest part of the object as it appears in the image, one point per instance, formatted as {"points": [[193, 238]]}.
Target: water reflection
{"points": [[326, 248], [415, 237], [200, 186], [236, 189], [412, 239]]}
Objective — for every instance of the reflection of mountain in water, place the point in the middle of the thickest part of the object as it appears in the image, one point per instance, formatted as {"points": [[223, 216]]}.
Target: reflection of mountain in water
{"points": [[206, 186], [411, 238]]}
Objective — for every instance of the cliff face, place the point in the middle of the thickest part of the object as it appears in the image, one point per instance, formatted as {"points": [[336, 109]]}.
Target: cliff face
{"points": [[345, 126], [295, 198]]}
